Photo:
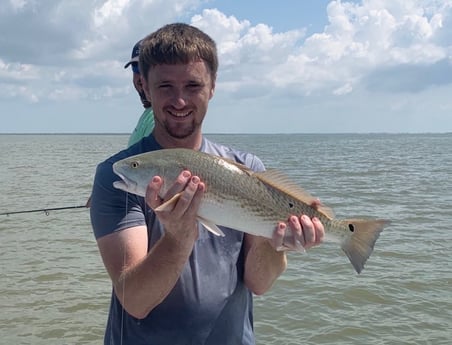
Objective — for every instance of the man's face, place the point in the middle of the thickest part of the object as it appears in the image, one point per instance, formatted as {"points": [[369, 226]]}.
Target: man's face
{"points": [[179, 95]]}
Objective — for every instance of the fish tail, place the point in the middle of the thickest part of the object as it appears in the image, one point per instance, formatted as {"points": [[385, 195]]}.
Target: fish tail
{"points": [[359, 245]]}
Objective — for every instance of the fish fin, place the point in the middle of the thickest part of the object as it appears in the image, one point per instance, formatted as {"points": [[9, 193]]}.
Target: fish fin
{"points": [[278, 180], [360, 244], [169, 205], [298, 248], [210, 226]]}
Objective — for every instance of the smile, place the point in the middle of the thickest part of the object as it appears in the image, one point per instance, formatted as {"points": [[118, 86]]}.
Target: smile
{"points": [[180, 114]]}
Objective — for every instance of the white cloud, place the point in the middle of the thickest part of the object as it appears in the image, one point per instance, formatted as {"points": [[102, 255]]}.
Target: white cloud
{"points": [[18, 5], [361, 38], [17, 72], [65, 49], [247, 53], [75, 50], [110, 10], [343, 90]]}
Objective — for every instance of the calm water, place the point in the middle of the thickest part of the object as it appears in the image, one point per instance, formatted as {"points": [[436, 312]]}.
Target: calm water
{"points": [[53, 288]]}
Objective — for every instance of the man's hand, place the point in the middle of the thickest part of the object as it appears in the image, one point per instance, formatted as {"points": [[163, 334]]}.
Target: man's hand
{"points": [[177, 220], [304, 233]]}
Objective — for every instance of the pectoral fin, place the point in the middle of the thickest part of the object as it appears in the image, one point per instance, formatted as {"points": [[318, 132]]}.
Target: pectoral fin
{"points": [[169, 205], [212, 227]]}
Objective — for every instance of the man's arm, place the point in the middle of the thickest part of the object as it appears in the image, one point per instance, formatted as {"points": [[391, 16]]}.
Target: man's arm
{"points": [[264, 259], [143, 280]]}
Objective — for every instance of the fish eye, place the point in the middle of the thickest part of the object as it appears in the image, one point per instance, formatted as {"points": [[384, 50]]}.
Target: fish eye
{"points": [[351, 227], [135, 164]]}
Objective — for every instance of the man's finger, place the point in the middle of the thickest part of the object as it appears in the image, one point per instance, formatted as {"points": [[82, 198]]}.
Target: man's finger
{"points": [[152, 192]]}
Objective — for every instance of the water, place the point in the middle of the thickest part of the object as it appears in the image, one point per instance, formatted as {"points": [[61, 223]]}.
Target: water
{"points": [[53, 288]]}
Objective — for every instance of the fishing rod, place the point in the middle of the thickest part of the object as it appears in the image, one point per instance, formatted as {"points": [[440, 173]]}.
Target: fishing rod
{"points": [[45, 210]]}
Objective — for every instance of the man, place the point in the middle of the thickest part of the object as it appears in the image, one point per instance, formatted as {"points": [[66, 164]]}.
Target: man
{"points": [[173, 281], [146, 122]]}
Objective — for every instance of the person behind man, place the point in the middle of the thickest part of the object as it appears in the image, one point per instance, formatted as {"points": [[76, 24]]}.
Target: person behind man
{"points": [[145, 124], [173, 281]]}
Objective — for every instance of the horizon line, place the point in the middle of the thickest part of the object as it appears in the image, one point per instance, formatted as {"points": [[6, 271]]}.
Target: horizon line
{"points": [[226, 133]]}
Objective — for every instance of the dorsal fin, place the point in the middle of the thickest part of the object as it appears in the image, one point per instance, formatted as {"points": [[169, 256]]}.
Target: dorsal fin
{"points": [[280, 181]]}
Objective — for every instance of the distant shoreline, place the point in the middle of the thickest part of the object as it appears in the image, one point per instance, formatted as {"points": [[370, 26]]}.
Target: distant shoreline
{"points": [[299, 133]]}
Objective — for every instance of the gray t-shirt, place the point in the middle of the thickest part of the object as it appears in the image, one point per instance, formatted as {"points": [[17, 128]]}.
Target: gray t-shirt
{"points": [[210, 303]]}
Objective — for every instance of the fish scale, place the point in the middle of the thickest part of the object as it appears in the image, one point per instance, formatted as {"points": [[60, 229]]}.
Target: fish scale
{"points": [[247, 201]]}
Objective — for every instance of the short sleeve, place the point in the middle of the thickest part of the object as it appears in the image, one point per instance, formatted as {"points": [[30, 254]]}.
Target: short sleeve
{"points": [[112, 209]]}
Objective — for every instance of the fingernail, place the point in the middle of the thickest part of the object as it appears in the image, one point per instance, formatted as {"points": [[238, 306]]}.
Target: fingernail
{"points": [[195, 179]]}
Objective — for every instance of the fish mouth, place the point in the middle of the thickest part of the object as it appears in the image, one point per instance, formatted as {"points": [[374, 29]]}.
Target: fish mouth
{"points": [[124, 184]]}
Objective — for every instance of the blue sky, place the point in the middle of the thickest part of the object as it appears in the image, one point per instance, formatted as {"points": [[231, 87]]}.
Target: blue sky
{"points": [[305, 66]]}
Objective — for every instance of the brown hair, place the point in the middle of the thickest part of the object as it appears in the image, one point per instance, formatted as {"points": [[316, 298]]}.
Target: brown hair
{"points": [[177, 43]]}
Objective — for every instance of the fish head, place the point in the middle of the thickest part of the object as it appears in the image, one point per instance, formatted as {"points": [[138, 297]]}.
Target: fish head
{"points": [[137, 171], [128, 186]]}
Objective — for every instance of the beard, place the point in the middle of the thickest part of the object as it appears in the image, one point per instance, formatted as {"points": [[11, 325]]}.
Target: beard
{"points": [[181, 131], [167, 124]]}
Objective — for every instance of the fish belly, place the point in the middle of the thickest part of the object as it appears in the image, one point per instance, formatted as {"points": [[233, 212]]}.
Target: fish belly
{"points": [[229, 214]]}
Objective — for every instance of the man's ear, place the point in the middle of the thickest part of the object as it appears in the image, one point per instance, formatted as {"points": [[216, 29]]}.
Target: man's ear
{"points": [[212, 90]]}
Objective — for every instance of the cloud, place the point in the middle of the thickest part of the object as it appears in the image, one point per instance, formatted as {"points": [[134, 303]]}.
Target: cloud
{"points": [[410, 78], [17, 72], [247, 53], [360, 41], [363, 39], [57, 50]]}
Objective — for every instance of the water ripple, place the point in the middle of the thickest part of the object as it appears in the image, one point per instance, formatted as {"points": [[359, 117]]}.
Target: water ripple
{"points": [[54, 289]]}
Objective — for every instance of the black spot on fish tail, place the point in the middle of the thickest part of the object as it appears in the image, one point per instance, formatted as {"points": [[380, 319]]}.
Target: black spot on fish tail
{"points": [[360, 243]]}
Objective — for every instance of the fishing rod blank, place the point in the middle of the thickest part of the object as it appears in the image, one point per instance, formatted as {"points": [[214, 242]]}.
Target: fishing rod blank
{"points": [[45, 210]]}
